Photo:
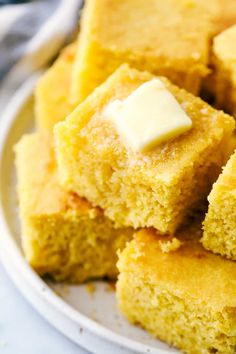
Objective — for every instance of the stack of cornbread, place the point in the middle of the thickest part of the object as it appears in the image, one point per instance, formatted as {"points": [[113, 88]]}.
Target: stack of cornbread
{"points": [[124, 157]]}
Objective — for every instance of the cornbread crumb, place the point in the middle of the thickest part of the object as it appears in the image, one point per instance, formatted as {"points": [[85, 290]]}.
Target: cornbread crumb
{"points": [[186, 298], [171, 53], [63, 291], [62, 234], [170, 246], [220, 223], [52, 102], [110, 286], [158, 188], [90, 287]]}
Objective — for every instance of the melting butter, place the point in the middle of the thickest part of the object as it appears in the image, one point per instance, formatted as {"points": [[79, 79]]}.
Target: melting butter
{"points": [[148, 117]]}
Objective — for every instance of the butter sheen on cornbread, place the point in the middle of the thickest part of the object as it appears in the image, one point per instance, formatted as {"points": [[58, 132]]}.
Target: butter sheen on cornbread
{"points": [[62, 234], [186, 297], [158, 188], [164, 37]]}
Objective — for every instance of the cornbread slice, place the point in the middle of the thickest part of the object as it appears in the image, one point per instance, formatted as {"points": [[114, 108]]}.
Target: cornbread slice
{"points": [[220, 223], [186, 297], [157, 188], [163, 37], [227, 16], [52, 102], [62, 234], [224, 65]]}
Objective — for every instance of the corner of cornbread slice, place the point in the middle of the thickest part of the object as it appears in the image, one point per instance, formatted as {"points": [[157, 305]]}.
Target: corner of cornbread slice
{"points": [[173, 42], [220, 223], [157, 188], [52, 102], [224, 64], [186, 297], [227, 16], [62, 234]]}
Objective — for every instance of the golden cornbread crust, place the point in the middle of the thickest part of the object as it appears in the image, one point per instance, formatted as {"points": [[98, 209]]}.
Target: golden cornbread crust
{"points": [[52, 102], [185, 297], [227, 17], [62, 234], [163, 37], [158, 188], [220, 223], [224, 66]]}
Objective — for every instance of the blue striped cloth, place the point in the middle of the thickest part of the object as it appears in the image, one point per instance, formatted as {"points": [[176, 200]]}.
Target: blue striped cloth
{"points": [[31, 33]]}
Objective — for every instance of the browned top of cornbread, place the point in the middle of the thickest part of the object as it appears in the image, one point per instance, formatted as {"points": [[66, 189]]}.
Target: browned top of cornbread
{"points": [[167, 160], [190, 271], [39, 190], [175, 29]]}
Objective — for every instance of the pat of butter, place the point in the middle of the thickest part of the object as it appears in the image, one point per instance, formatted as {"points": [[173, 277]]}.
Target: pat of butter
{"points": [[148, 117]]}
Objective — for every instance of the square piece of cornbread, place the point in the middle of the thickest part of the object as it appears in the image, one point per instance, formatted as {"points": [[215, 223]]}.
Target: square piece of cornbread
{"points": [[224, 65], [179, 292], [220, 223], [164, 37], [157, 188], [62, 234], [52, 103]]}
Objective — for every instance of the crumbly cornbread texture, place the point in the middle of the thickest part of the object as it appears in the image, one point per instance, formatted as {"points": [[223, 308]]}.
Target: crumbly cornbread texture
{"points": [[186, 297], [52, 102], [158, 188], [224, 65], [220, 223], [163, 37], [62, 234]]}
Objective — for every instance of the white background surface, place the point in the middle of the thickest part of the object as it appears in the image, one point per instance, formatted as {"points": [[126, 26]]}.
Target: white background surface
{"points": [[22, 330]]}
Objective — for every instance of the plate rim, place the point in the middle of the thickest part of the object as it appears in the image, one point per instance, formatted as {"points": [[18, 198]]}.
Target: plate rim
{"points": [[12, 253]]}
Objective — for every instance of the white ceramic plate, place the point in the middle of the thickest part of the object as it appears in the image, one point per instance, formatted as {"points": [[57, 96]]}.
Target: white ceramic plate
{"points": [[89, 319]]}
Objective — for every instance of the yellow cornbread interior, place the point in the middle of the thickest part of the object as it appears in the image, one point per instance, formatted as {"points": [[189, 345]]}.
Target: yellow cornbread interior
{"points": [[163, 37], [158, 188], [186, 297], [220, 223], [148, 117], [52, 102], [224, 62], [62, 234]]}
